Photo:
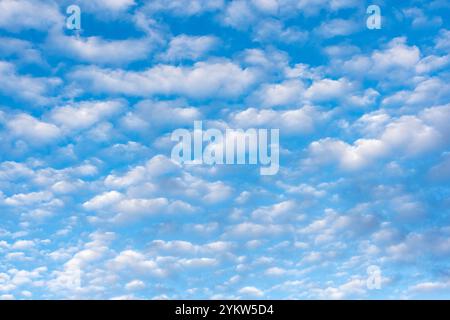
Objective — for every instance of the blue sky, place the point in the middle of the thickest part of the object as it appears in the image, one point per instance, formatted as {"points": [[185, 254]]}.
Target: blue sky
{"points": [[88, 190]]}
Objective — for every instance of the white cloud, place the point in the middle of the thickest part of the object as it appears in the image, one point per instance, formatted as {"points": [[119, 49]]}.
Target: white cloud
{"points": [[432, 241], [135, 285], [340, 90], [407, 135], [419, 18], [354, 287], [23, 245], [202, 80], [116, 208], [341, 51], [254, 230], [277, 212], [313, 7], [141, 206], [432, 63], [329, 89], [35, 90], [162, 174], [251, 291], [74, 276], [337, 27], [17, 278], [185, 47], [198, 262], [294, 121], [150, 114], [238, 11], [273, 30], [155, 167], [109, 6], [29, 14], [441, 171], [429, 92], [37, 132], [183, 7], [303, 189], [239, 14], [266, 6], [286, 93], [429, 287], [85, 114], [178, 247], [84, 156], [25, 51], [397, 61], [98, 50], [138, 262], [443, 40], [103, 200], [331, 225]]}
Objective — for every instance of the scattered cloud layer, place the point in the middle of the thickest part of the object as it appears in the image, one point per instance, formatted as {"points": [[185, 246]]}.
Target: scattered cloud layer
{"points": [[93, 207]]}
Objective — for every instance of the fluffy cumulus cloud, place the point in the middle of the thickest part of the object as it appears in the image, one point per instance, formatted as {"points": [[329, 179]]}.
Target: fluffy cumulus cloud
{"points": [[31, 129], [293, 121], [183, 7], [18, 16], [108, 6], [85, 114], [97, 50], [93, 205], [202, 80], [405, 136], [25, 87], [184, 47]]}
